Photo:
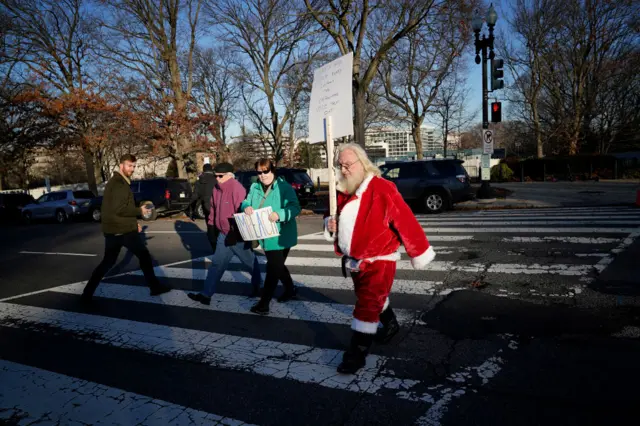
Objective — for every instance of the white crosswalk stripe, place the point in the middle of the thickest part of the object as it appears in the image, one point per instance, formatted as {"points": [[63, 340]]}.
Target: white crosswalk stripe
{"points": [[531, 255]]}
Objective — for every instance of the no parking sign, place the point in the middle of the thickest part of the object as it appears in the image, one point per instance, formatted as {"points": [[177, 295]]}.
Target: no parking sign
{"points": [[487, 141]]}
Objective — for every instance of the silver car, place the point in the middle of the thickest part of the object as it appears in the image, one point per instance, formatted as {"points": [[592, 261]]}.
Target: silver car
{"points": [[59, 205]]}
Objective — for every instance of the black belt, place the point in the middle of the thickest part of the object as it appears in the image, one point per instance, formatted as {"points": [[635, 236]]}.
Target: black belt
{"points": [[345, 259]]}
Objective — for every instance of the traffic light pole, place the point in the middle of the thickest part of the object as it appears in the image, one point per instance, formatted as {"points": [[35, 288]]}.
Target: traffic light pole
{"points": [[485, 192]]}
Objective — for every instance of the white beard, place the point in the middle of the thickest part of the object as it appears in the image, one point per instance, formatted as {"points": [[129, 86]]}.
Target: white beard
{"points": [[352, 183]]}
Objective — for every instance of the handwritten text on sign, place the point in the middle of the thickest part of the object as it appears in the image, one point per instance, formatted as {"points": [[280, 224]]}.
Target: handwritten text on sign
{"points": [[331, 97], [256, 226]]}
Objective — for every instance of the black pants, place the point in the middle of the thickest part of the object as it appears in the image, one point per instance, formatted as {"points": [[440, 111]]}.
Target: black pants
{"points": [[112, 246], [212, 235], [276, 271]]}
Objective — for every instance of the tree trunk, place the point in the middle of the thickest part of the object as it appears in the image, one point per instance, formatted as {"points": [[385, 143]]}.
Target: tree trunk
{"points": [[91, 171], [359, 113], [536, 129], [292, 142], [417, 138]]}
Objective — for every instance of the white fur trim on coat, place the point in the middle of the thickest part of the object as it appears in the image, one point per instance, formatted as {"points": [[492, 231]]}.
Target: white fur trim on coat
{"points": [[348, 217], [386, 305], [420, 262], [331, 237], [364, 327]]}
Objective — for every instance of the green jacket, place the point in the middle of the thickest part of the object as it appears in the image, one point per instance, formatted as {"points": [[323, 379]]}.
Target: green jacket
{"points": [[119, 210], [283, 200]]}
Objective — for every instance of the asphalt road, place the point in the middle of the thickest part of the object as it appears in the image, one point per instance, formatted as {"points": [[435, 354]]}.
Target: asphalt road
{"points": [[506, 327]]}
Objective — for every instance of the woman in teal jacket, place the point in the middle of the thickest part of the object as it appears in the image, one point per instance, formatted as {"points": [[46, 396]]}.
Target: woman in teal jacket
{"points": [[279, 195]]}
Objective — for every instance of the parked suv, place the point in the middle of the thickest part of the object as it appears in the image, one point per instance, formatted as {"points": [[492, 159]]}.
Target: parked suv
{"points": [[434, 184], [168, 195], [58, 205], [298, 178]]}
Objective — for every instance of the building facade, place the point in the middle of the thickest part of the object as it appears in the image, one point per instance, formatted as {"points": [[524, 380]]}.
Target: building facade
{"points": [[398, 143]]}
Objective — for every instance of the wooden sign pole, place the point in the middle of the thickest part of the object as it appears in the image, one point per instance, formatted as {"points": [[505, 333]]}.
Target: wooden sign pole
{"points": [[328, 134]]}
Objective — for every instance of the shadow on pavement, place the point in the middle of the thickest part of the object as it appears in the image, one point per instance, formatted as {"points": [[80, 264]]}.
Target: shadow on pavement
{"points": [[472, 314]]}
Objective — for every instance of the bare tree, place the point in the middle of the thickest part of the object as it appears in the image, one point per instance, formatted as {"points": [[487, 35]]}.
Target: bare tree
{"points": [[158, 41], [350, 22], [55, 41], [449, 105], [532, 26], [592, 35], [216, 90], [416, 66], [272, 39]]}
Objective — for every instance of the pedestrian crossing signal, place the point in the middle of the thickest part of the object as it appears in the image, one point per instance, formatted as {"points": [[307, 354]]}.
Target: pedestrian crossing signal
{"points": [[496, 112]]}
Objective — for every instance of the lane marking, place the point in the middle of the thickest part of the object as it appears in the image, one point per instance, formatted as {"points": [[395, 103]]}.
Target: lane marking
{"points": [[431, 238], [34, 395], [501, 230], [329, 282], [606, 261], [570, 240], [333, 313], [301, 363], [58, 253]]}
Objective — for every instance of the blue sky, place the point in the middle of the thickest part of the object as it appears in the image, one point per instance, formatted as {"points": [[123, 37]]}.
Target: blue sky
{"points": [[474, 80]]}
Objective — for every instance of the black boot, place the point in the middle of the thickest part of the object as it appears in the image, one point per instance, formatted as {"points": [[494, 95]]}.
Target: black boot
{"points": [[355, 357], [390, 326]]}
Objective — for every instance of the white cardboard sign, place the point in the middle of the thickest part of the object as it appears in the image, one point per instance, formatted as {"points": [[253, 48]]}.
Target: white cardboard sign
{"points": [[331, 96], [256, 226]]}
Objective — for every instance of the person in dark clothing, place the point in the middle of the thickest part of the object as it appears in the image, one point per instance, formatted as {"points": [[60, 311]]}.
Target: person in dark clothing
{"points": [[202, 196], [120, 228]]}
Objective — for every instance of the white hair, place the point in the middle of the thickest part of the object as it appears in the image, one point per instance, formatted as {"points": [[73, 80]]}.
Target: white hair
{"points": [[369, 167]]}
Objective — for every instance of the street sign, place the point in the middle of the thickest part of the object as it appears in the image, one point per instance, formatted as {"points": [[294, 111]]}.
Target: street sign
{"points": [[487, 141], [485, 165]]}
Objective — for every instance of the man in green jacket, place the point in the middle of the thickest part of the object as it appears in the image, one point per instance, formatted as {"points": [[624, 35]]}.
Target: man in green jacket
{"points": [[120, 228]]}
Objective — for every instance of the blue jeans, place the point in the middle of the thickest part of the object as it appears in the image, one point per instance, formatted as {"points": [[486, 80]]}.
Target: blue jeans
{"points": [[220, 262]]}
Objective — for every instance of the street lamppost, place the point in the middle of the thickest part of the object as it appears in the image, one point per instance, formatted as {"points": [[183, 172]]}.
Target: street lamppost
{"points": [[482, 44]]}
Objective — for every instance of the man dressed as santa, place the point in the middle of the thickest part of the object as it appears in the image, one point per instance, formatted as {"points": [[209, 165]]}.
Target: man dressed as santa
{"points": [[372, 222]]}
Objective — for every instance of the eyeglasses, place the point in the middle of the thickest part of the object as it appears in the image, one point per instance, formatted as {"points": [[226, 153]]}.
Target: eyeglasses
{"points": [[220, 176], [347, 166], [263, 172]]}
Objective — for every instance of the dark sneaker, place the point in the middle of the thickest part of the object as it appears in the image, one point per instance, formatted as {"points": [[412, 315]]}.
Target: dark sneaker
{"points": [[260, 308], [159, 289], [200, 298], [288, 295]]}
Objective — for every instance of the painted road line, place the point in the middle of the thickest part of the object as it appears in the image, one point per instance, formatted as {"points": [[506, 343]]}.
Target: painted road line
{"points": [[328, 247], [59, 254], [334, 313], [553, 269], [36, 396], [331, 262], [18, 296], [569, 219], [566, 240], [504, 222], [276, 359], [606, 261], [327, 282], [501, 230], [448, 238], [507, 268]]}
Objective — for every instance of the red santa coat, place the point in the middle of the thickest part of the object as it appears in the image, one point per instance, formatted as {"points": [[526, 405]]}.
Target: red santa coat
{"points": [[375, 221], [372, 224]]}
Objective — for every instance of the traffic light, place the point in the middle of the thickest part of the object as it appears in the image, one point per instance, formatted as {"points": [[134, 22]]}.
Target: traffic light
{"points": [[496, 112], [496, 74]]}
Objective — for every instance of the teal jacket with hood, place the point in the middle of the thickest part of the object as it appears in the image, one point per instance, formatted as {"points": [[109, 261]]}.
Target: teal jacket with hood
{"points": [[283, 200]]}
